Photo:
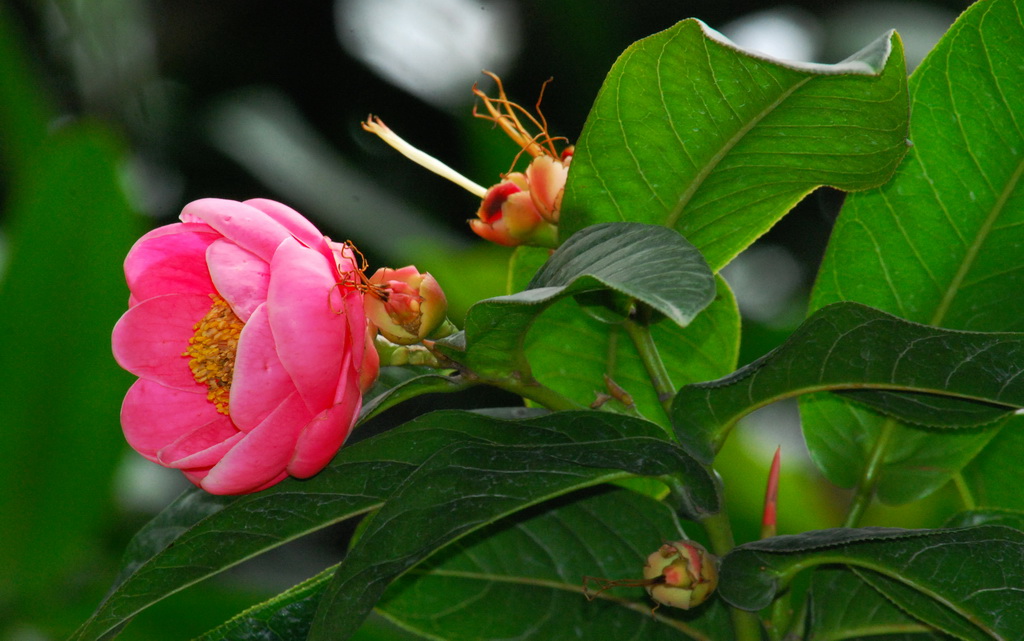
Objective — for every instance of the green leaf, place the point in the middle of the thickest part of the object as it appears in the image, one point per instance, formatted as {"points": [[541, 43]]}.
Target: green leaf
{"points": [[988, 516], [847, 346], [938, 244], [571, 352], [285, 617], [537, 560], [646, 263], [471, 484], [200, 535], [691, 132], [650, 264], [842, 606], [996, 475], [397, 384], [963, 581]]}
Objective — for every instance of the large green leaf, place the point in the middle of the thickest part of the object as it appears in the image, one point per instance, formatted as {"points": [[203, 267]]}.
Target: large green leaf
{"points": [[200, 535], [643, 262], [691, 132], [842, 606], [939, 244], [469, 485], [536, 559], [847, 346], [964, 581]]}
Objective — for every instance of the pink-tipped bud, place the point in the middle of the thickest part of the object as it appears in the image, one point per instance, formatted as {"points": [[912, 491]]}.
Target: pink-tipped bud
{"points": [[682, 574], [406, 306]]}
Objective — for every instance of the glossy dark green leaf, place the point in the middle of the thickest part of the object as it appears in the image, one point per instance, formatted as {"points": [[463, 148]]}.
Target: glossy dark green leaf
{"points": [[471, 484], [842, 606], [648, 263], [939, 244], [644, 262], [537, 561], [691, 132], [988, 516], [397, 384], [847, 346], [964, 581], [200, 535], [285, 617]]}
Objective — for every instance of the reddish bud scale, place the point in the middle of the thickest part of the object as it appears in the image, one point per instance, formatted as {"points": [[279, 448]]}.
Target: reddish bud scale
{"points": [[771, 496]]}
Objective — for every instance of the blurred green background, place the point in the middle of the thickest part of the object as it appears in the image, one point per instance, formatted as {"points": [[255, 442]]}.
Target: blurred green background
{"points": [[115, 113]]}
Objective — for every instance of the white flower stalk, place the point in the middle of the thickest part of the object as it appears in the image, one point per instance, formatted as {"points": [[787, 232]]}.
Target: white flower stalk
{"points": [[375, 125]]}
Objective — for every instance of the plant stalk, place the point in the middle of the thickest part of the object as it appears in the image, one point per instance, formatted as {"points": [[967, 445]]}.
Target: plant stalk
{"points": [[745, 625], [640, 333], [865, 491], [534, 391]]}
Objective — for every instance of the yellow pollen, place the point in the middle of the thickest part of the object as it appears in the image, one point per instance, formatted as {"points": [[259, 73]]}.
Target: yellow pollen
{"points": [[211, 351]]}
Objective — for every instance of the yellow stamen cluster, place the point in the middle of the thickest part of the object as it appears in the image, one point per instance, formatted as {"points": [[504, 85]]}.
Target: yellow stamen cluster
{"points": [[211, 351]]}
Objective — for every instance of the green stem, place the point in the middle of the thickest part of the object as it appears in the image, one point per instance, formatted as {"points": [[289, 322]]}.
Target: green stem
{"points": [[745, 625], [534, 391], [966, 497], [640, 333], [865, 491]]}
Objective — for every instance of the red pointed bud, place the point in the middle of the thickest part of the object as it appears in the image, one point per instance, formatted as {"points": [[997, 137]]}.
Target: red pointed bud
{"points": [[406, 306], [771, 497], [682, 574]]}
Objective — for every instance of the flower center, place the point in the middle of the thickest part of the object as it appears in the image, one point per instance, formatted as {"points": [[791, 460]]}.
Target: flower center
{"points": [[211, 351]]}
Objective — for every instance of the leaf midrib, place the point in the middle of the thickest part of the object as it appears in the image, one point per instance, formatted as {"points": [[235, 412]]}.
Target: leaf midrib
{"points": [[695, 634], [975, 247], [673, 216]]}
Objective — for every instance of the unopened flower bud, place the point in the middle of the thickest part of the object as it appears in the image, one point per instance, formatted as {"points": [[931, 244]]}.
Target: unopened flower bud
{"points": [[682, 573], [408, 306]]}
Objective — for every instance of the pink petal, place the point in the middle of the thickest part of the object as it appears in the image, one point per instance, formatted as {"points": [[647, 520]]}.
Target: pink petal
{"points": [[202, 447], [309, 323], [246, 226], [263, 454], [370, 365], [170, 260], [303, 230], [153, 416], [151, 337], [240, 276], [326, 433], [196, 476], [260, 382], [547, 178]]}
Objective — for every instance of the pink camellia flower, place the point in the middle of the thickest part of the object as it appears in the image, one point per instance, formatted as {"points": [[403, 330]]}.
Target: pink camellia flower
{"points": [[246, 328]]}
